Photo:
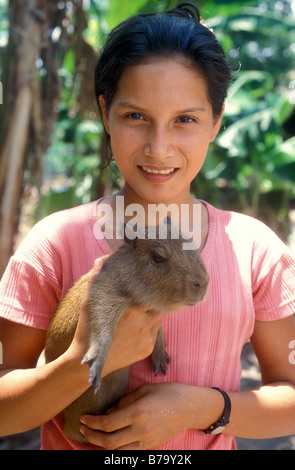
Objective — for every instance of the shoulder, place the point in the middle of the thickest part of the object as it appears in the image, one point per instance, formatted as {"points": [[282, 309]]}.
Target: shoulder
{"points": [[247, 239], [62, 245], [58, 228], [243, 227], [66, 219]]}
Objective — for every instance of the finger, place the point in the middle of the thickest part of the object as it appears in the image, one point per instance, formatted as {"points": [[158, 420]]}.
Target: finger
{"points": [[131, 398], [118, 440], [97, 266], [98, 263], [111, 422], [138, 445]]}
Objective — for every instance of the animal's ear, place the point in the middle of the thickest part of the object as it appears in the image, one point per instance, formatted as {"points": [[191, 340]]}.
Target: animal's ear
{"points": [[171, 229], [167, 220], [129, 233], [132, 233]]}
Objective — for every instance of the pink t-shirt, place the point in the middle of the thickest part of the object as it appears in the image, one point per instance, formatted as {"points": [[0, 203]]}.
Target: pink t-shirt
{"points": [[252, 277]]}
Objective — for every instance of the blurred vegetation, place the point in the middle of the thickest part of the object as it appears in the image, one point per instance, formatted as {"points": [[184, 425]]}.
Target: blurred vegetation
{"points": [[250, 167]]}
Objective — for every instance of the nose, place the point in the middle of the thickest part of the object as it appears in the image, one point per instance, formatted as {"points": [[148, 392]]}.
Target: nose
{"points": [[200, 286], [159, 144]]}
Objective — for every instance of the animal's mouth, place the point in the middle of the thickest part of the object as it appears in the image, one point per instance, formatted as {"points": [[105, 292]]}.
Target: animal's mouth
{"points": [[199, 297]]}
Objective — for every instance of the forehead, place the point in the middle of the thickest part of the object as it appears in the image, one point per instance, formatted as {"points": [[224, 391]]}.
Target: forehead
{"points": [[163, 81]]}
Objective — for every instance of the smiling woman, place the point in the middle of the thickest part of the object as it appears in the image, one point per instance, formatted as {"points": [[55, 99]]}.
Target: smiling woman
{"points": [[147, 37], [160, 129], [161, 81]]}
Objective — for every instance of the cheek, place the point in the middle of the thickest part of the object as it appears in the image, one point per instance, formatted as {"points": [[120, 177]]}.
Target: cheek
{"points": [[123, 140], [123, 149], [196, 149]]}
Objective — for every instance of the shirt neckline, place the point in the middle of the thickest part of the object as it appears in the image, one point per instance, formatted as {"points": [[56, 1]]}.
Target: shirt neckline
{"points": [[212, 225], [207, 249]]}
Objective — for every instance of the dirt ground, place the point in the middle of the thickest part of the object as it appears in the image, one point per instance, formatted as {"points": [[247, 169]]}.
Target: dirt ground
{"points": [[250, 379]]}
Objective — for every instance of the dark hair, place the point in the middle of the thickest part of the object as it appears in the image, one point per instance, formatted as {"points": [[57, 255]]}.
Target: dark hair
{"points": [[179, 31]]}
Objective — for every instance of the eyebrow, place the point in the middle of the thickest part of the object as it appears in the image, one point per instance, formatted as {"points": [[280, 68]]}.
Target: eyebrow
{"points": [[127, 104]]}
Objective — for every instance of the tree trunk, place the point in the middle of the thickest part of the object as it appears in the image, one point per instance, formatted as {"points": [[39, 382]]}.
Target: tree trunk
{"points": [[28, 113], [24, 41]]}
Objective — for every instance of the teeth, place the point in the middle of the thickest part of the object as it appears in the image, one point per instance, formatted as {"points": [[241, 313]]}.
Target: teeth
{"points": [[158, 172]]}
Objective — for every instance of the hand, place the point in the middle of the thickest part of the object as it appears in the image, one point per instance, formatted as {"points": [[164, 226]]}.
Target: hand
{"points": [[134, 337], [80, 343], [144, 419]]}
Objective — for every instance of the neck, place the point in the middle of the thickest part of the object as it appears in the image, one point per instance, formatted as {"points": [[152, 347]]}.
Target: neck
{"points": [[130, 198], [187, 213]]}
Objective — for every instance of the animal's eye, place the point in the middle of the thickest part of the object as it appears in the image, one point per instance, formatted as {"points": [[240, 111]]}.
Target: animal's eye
{"points": [[156, 258]]}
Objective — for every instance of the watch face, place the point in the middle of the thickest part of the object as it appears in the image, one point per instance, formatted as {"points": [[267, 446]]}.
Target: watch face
{"points": [[218, 430]]}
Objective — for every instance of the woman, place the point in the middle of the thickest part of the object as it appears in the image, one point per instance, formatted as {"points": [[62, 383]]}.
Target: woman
{"points": [[161, 82]]}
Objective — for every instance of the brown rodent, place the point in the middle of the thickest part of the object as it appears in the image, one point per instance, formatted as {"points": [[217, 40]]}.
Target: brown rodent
{"points": [[155, 273]]}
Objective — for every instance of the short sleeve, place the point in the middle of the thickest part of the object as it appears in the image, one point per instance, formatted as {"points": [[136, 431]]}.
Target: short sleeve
{"points": [[26, 296], [30, 288], [57, 251], [273, 278]]}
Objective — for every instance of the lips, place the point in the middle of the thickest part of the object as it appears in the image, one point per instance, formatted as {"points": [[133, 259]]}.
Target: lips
{"points": [[157, 175], [158, 172]]}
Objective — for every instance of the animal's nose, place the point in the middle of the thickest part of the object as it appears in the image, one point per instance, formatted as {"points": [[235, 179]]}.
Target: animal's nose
{"points": [[200, 284]]}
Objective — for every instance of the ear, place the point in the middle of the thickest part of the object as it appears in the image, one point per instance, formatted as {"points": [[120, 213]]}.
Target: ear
{"points": [[216, 124], [130, 236], [104, 112]]}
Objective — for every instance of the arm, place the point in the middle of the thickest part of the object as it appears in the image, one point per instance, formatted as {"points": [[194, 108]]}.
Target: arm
{"points": [[155, 413], [271, 407], [30, 396]]}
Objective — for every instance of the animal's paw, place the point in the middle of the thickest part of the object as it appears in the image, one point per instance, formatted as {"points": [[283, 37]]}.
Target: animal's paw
{"points": [[160, 362], [95, 370]]}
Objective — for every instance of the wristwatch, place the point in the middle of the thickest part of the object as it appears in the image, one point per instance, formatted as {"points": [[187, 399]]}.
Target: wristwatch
{"points": [[220, 425]]}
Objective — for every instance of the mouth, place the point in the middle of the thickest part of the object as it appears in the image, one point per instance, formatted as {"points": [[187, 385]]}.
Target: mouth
{"points": [[158, 172], [157, 175]]}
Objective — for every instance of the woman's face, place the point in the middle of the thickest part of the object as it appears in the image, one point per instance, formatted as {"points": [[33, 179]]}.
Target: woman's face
{"points": [[160, 124]]}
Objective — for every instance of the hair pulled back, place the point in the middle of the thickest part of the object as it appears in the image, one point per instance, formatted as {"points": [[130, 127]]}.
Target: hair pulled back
{"points": [[179, 31]]}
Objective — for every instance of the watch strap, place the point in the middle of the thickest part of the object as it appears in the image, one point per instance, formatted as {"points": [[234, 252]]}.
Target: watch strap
{"points": [[224, 420]]}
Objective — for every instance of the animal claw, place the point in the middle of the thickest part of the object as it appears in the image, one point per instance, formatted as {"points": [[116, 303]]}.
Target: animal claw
{"points": [[95, 371], [161, 364]]}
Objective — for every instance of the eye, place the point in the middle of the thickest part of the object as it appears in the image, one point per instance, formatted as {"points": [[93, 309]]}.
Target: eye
{"points": [[186, 120], [135, 116], [156, 258]]}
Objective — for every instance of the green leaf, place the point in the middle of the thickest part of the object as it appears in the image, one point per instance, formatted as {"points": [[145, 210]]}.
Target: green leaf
{"points": [[237, 137], [119, 10], [286, 172], [284, 153], [69, 61], [254, 80]]}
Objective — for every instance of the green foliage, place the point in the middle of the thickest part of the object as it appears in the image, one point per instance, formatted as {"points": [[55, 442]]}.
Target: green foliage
{"points": [[251, 166], [76, 142]]}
